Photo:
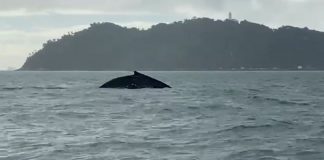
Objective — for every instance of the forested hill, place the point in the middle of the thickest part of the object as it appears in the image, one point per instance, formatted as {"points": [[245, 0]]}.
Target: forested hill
{"points": [[195, 44]]}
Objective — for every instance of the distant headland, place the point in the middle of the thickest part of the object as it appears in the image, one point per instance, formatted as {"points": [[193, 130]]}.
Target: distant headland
{"points": [[193, 44]]}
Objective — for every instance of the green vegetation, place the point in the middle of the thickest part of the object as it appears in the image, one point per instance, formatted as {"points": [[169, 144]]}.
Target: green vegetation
{"points": [[195, 44]]}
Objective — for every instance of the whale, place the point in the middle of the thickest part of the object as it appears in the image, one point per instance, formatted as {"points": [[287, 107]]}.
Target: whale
{"points": [[135, 81]]}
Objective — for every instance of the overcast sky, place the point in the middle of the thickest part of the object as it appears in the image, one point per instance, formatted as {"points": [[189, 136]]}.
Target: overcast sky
{"points": [[26, 24]]}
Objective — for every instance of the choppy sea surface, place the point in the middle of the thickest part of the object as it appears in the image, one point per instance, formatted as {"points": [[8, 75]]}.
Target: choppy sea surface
{"points": [[205, 116]]}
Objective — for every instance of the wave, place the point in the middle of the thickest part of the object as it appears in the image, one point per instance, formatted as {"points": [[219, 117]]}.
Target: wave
{"points": [[308, 153], [280, 101], [34, 87], [12, 88], [283, 122], [259, 154], [240, 128], [253, 90], [276, 124], [277, 86], [50, 87], [77, 115]]}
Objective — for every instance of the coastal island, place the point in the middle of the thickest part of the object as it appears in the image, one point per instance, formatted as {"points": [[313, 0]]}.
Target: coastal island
{"points": [[193, 44]]}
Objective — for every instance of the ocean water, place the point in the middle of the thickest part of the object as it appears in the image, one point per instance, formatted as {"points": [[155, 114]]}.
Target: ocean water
{"points": [[205, 116]]}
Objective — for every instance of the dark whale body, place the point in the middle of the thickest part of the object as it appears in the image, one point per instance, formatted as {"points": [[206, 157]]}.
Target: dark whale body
{"points": [[135, 81]]}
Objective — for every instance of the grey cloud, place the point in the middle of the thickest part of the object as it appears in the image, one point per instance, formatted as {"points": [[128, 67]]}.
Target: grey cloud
{"points": [[137, 4], [165, 6], [274, 12], [128, 4], [106, 5]]}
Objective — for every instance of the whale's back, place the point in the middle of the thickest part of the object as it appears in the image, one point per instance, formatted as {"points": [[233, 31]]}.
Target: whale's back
{"points": [[136, 81]]}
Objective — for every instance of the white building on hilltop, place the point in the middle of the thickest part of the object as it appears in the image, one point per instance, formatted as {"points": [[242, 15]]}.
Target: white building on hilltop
{"points": [[230, 17]]}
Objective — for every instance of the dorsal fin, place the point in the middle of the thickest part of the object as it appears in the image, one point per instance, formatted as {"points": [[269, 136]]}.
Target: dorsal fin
{"points": [[136, 73], [139, 74]]}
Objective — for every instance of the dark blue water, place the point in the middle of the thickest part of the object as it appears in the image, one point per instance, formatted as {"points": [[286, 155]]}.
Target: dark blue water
{"points": [[205, 116]]}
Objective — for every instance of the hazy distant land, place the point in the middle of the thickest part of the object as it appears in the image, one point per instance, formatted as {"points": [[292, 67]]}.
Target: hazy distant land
{"points": [[195, 44]]}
